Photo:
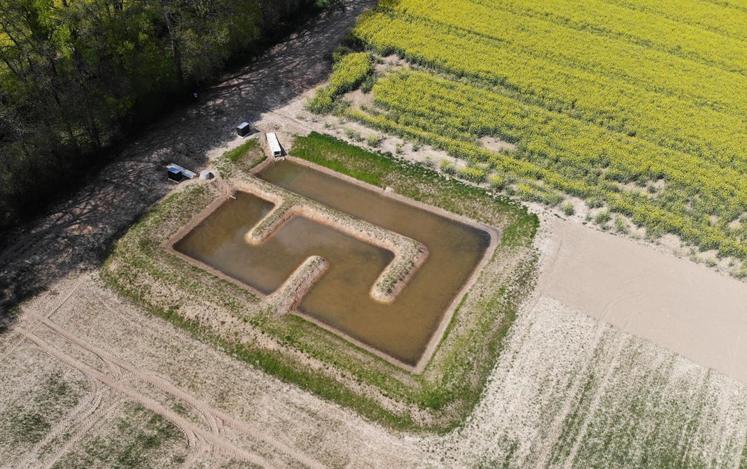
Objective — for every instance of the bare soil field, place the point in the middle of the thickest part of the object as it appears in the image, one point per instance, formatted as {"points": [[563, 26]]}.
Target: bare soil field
{"points": [[678, 304], [568, 389]]}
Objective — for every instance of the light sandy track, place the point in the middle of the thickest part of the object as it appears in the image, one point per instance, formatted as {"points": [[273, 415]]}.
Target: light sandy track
{"points": [[183, 424], [85, 408], [191, 430], [680, 305], [82, 428], [81, 280], [19, 339]]}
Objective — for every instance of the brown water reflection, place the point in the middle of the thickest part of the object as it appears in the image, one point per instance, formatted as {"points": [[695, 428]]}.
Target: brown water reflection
{"points": [[341, 298]]}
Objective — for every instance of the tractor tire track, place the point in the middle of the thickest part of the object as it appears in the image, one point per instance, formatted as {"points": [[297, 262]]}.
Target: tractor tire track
{"points": [[188, 428], [165, 386], [83, 427]]}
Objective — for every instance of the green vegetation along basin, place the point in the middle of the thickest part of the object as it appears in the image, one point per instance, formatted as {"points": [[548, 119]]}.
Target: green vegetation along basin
{"points": [[341, 298]]}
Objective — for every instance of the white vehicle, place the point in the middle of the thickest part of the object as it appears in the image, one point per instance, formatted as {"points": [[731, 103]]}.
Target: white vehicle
{"points": [[274, 145]]}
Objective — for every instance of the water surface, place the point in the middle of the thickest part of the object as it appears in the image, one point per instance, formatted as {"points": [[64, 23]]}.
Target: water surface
{"points": [[341, 298]]}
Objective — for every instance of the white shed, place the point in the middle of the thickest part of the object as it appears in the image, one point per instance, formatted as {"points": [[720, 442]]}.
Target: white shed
{"points": [[274, 144]]}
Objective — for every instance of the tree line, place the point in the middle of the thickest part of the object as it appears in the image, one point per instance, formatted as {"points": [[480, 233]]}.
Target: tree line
{"points": [[78, 75]]}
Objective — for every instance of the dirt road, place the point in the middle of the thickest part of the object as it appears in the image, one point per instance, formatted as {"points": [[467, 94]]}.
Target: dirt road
{"points": [[76, 234]]}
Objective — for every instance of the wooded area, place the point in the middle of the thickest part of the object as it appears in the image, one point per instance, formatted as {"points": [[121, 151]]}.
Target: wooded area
{"points": [[78, 75]]}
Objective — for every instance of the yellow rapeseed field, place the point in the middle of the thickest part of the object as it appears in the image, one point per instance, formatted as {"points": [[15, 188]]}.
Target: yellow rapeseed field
{"points": [[637, 105]]}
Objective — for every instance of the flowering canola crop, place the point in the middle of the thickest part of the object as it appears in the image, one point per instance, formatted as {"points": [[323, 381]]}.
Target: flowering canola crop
{"points": [[633, 102]]}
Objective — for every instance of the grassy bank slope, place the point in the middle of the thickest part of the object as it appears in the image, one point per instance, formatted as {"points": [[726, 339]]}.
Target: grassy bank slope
{"points": [[297, 351]]}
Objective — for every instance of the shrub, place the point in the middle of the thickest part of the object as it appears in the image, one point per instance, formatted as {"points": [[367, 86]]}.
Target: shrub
{"points": [[595, 202], [374, 140], [368, 83], [568, 208], [472, 173], [602, 218], [353, 135], [497, 181], [447, 167], [538, 194], [349, 72], [620, 225], [323, 101], [551, 198]]}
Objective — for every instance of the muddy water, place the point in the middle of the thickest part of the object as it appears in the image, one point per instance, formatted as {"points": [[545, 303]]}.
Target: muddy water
{"points": [[341, 298]]}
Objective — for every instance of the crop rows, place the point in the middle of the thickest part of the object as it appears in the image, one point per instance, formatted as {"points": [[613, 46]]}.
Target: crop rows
{"points": [[566, 154], [606, 100], [639, 27], [709, 15], [632, 103], [604, 55], [348, 73]]}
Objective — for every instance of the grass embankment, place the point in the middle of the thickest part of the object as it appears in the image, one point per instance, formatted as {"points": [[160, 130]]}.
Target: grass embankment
{"points": [[242, 158], [451, 385]]}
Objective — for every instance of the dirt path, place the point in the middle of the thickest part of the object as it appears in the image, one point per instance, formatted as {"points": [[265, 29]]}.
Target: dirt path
{"points": [[190, 430], [77, 233]]}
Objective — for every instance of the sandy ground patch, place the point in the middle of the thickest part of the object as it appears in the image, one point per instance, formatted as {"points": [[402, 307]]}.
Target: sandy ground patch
{"points": [[494, 144], [681, 305]]}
